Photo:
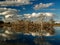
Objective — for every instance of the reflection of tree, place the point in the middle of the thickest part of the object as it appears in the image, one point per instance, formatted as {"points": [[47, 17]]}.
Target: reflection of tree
{"points": [[41, 41]]}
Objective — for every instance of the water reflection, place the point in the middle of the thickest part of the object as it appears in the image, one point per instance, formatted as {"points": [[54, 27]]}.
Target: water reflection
{"points": [[41, 41], [10, 37], [7, 33]]}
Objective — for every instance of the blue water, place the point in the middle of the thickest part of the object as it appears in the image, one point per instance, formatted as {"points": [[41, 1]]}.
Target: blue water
{"points": [[55, 39], [30, 40]]}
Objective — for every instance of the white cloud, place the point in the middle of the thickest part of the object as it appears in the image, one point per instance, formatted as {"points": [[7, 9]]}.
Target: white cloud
{"points": [[6, 11], [13, 18], [37, 15], [49, 14], [41, 5], [30, 15], [14, 3], [27, 15], [10, 14], [7, 16]]}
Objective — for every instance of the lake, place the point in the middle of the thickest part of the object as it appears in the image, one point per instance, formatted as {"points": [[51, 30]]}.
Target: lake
{"points": [[21, 39]]}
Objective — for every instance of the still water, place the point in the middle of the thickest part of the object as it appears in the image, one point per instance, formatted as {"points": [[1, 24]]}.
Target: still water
{"points": [[21, 39], [55, 39]]}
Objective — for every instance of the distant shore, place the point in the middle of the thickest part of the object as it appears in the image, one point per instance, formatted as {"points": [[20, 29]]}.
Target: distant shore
{"points": [[57, 24]]}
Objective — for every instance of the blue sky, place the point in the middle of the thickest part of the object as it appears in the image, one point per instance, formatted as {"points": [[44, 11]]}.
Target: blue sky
{"points": [[54, 7]]}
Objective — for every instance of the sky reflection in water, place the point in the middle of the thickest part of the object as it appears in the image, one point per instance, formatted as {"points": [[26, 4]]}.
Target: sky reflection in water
{"points": [[48, 40]]}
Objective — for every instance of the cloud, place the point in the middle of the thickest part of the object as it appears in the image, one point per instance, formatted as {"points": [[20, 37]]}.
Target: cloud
{"points": [[6, 11], [7, 16], [10, 14], [13, 18], [36, 15], [41, 5], [14, 3], [31, 15], [49, 14]]}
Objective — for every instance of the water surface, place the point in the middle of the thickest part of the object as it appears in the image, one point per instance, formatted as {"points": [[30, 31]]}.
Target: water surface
{"points": [[21, 39]]}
